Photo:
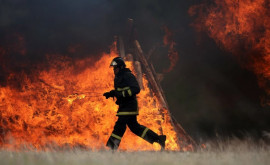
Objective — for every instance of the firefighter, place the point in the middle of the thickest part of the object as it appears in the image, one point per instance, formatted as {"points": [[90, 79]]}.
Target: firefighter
{"points": [[125, 90]]}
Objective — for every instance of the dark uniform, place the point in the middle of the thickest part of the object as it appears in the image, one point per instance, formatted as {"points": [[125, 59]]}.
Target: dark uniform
{"points": [[126, 89]]}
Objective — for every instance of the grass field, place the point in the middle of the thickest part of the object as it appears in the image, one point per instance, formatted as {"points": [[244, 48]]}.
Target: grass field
{"points": [[234, 152]]}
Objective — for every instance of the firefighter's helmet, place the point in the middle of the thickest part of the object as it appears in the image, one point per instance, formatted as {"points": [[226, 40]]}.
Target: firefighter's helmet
{"points": [[118, 62]]}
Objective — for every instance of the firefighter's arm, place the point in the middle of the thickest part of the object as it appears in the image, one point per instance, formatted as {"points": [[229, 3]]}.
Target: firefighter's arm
{"points": [[131, 89], [133, 84]]}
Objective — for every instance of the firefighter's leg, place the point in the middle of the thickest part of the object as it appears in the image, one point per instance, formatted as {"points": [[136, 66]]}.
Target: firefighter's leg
{"points": [[117, 134], [142, 131]]}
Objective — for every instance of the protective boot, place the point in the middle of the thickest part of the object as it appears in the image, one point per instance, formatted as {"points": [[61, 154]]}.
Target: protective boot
{"points": [[161, 141], [150, 136], [113, 143]]}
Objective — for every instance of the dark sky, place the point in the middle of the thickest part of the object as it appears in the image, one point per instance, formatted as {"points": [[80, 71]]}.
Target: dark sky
{"points": [[208, 92]]}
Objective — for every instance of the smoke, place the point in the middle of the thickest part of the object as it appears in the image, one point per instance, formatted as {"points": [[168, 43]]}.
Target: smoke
{"points": [[242, 28], [207, 90], [172, 53], [32, 30]]}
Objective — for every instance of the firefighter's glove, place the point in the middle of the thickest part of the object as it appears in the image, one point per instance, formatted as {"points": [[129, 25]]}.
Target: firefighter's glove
{"points": [[109, 94], [118, 94], [113, 93]]}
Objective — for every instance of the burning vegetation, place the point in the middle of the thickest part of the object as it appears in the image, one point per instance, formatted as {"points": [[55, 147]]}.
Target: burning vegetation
{"points": [[61, 105], [242, 28]]}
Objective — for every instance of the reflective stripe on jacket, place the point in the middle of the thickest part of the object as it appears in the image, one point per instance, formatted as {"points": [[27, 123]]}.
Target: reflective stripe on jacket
{"points": [[126, 84]]}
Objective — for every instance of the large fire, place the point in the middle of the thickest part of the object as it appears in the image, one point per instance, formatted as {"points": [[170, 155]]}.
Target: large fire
{"points": [[63, 106], [243, 28]]}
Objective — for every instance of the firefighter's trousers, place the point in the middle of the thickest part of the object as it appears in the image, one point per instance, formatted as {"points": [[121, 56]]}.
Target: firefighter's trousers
{"points": [[134, 126]]}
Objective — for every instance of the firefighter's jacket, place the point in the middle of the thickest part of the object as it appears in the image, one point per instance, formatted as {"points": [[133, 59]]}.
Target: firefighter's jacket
{"points": [[127, 87]]}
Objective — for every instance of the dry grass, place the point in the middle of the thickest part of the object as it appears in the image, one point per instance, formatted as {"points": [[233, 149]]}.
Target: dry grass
{"points": [[226, 152]]}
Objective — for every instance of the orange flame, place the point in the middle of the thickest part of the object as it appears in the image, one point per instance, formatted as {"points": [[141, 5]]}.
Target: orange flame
{"points": [[243, 28], [172, 53], [64, 107]]}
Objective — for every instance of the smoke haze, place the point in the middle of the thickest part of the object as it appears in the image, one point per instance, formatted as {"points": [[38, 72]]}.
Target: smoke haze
{"points": [[208, 92]]}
